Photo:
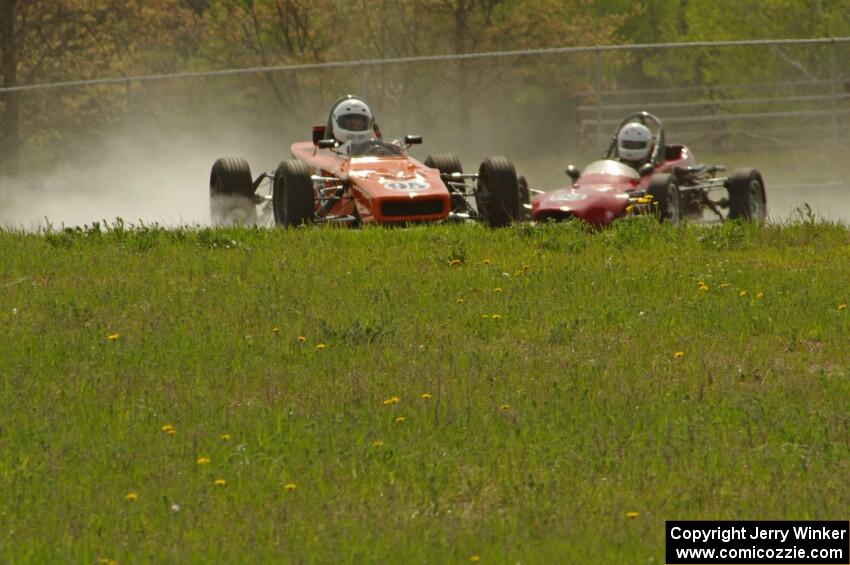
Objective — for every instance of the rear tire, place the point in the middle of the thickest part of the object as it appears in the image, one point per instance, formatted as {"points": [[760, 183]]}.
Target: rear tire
{"points": [[666, 199], [448, 163], [292, 194], [747, 199], [232, 193], [497, 192]]}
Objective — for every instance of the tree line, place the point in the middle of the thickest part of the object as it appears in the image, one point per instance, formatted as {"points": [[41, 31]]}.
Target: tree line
{"points": [[57, 40]]}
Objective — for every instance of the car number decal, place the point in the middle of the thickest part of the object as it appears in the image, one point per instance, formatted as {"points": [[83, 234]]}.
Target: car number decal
{"points": [[406, 185], [568, 197]]}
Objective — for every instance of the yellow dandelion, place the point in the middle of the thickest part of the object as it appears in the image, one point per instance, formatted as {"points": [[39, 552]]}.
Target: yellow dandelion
{"points": [[702, 286], [321, 346], [168, 429], [724, 285], [377, 443], [475, 558], [113, 337], [629, 209], [679, 354], [505, 407], [842, 306], [220, 482], [203, 460], [631, 515], [759, 295], [648, 197], [643, 200], [400, 419], [301, 339], [289, 486], [485, 262], [496, 316], [132, 496], [459, 301], [454, 262], [497, 289], [391, 400], [426, 396], [742, 294], [224, 437]]}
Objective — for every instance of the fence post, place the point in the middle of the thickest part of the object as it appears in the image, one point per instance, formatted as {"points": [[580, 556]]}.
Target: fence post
{"points": [[833, 90], [597, 86]]}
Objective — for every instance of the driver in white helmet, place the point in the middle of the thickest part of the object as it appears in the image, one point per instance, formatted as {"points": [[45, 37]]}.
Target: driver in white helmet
{"points": [[634, 144], [351, 121]]}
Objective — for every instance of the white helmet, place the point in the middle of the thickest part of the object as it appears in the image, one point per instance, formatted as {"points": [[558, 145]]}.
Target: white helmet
{"points": [[634, 142], [351, 119]]}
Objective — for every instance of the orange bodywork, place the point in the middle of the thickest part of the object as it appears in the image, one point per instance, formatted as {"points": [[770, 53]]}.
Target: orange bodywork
{"points": [[384, 189]]}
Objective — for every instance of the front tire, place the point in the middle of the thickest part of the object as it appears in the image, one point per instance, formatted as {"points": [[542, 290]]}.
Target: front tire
{"points": [[232, 193], [747, 199], [497, 192], [666, 199], [292, 194]]}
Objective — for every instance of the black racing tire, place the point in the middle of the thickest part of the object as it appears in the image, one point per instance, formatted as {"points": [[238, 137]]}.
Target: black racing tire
{"points": [[747, 198], [292, 194], [232, 192], [497, 192], [666, 198], [448, 163], [524, 198]]}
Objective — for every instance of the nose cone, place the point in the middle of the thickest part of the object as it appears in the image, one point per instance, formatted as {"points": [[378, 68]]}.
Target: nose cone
{"points": [[597, 205]]}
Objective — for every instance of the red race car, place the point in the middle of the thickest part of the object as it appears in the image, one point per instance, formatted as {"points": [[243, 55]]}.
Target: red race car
{"points": [[641, 174], [348, 174]]}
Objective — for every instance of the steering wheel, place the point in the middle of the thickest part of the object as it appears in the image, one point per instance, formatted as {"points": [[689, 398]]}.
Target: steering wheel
{"points": [[657, 157]]}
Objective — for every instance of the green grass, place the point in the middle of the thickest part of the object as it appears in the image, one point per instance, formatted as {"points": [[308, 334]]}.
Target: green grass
{"points": [[544, 427]]}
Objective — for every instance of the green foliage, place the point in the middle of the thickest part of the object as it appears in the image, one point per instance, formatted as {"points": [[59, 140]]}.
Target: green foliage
{"points": [[555, 400]]}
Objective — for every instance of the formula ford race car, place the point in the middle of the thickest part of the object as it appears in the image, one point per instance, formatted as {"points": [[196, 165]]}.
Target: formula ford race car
{"points": [[670, 185], [363, 180]]}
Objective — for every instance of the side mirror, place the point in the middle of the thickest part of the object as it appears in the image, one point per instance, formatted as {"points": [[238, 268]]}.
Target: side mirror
{"points": [[646, 169], [412, 139], [572, 172], [318, 133], [326, 143]]}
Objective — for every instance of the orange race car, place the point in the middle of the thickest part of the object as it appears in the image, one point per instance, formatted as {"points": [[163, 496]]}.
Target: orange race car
{"points": [[348, 174]]}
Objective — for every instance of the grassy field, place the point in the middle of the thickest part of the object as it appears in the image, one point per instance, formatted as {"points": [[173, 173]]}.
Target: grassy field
{"points": [[433, 395]]}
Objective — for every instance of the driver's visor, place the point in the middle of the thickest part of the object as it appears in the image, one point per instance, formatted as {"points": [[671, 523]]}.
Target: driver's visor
{"points": [[631, 144], [353, 122]]}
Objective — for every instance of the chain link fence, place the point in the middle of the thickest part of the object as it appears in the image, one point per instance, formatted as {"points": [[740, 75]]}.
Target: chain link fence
{"points": [[782, 106]]}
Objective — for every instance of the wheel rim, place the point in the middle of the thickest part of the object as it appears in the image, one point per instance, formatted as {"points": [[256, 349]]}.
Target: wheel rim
{"points": [[215, 207], [758, 208], [673, 208], [482, 196], [279, 198]]}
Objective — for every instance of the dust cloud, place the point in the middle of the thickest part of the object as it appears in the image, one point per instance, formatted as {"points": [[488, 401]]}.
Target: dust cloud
{"points": [[160, 175], [153, 178]]}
